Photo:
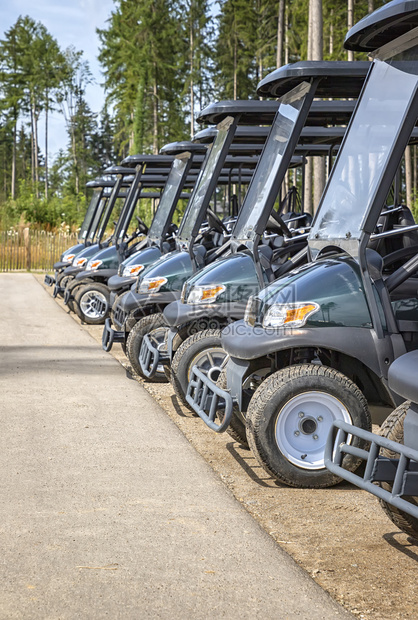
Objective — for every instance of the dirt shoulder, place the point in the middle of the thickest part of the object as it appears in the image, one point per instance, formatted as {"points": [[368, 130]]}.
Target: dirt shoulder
{"points": [[340, 536]]}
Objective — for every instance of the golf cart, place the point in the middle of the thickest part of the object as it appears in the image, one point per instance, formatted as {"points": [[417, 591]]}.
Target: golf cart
{"points": [[260, 250], [89, 227], [97, 263], [315, 346]]}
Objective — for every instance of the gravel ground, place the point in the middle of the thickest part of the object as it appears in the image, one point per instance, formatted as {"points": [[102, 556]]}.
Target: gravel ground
{"points": [[340, 536]]}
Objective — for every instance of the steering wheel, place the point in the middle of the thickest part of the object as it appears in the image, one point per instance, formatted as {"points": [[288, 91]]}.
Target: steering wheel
{"points": [[216, 223], [142, 227], [279, 220]]}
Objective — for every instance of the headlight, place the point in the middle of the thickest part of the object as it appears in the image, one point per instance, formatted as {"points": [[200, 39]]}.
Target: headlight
{"points": [[80, 262], [93, 264], [69, 258], [132, 270], [289, 315], [205, 294], [152, 285]]}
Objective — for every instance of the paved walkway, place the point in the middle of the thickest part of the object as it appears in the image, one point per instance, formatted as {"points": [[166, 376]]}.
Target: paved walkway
{"points": [[106, 509]]}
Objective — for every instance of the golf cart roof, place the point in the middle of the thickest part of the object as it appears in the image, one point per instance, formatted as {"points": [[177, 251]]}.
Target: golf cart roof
{"points": [[156, 160], [320, 113], [385, 24], [338, 78], [251, 112], [176, 148]]}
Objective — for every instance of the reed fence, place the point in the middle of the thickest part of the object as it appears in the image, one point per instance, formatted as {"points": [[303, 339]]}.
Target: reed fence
{"points": [[25, 249]]}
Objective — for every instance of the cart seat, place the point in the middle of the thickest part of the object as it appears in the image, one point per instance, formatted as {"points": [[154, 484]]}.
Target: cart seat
{"points": [[403, 376]]}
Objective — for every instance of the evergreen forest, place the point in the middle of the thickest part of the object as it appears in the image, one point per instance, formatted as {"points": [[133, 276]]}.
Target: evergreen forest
{"points": [[162, 61]]}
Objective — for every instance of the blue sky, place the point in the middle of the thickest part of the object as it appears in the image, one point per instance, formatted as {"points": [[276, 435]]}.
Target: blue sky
{"points": [[71, 23]]}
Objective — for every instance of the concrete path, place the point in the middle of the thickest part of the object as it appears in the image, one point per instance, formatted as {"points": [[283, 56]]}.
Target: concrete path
{"points": [[106, 509]]}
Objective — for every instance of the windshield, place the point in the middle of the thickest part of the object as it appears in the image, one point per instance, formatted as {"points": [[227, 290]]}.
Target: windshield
{"points": [[174, 180], [89, 214], [268, 166], [197, 200], [364, 156], [97, 216], [110, 204]]}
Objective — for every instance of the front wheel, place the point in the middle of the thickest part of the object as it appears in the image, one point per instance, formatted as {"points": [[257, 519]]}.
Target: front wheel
{"points": [[92, 303], [154, 326], [289, 419], [392, 428]]}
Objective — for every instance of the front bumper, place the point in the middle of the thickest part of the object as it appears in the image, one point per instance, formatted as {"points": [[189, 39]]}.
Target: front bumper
{"points": [[110, 336], [206, 398], [401, 473], [178, 313], [49, 280]]}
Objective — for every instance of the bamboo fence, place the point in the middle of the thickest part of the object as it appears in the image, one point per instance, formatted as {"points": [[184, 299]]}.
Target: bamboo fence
{"points": [[25, 249]]}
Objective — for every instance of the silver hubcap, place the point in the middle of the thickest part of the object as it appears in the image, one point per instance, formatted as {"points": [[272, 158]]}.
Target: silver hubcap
{"points": [[303, 425], [209, 362], [93, 305]]}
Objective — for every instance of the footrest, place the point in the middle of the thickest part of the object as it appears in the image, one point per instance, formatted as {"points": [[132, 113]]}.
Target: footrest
{"points": [[401, 473], [67, 296], [58, 290], [150, 357], [205, 397], [49, 280], [110, 336]]}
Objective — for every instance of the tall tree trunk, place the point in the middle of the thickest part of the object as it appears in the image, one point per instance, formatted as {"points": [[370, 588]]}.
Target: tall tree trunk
{"points": [[155, 113], [331, 34], [408, 176], [35, 145], [370, 6], [350, 24], [316, 49], [280, 35], [191, 75], [46, 145], [13, 182], [32, 156], [235, 68]]}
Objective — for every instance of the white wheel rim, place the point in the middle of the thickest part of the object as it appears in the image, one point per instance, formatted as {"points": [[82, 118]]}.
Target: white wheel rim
{"points": [[303, 425], [209, 361], [88, 304]]}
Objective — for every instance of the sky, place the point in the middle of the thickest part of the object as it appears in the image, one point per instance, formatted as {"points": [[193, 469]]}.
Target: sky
{"points": [[71, 22]]}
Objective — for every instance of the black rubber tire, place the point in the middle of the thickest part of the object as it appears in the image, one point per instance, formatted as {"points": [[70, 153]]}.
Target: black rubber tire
{"points": [[268, 404], [134, 342], [392, 428], [236, 428], [63, 280], [72, 287], [185, 356], [88, 289]]}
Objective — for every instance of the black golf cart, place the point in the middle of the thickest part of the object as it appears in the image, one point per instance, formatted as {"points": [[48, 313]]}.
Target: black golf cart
{"points": [[315, 346]]}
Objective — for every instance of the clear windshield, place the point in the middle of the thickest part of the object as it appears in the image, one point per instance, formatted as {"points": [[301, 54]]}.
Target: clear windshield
{"points": [[89, 214], [268, 166], [174, 180], [195, 204], [363, 159]]}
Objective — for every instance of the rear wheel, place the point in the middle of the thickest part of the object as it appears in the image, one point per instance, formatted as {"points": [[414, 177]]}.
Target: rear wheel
{"points": [[392, 428], [290, 416], [203, 350], [92, 303], [154, 326]]}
